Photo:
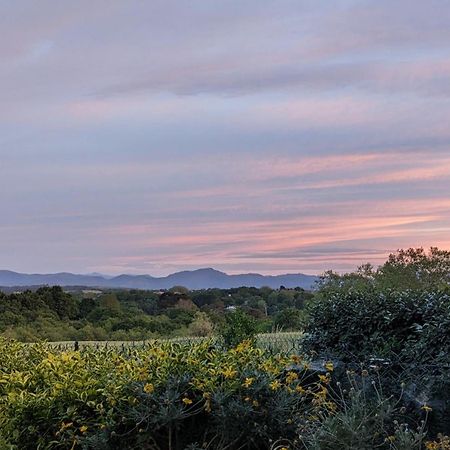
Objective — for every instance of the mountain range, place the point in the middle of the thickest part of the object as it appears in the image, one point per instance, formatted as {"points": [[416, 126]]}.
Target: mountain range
{"points": [[195, 279]]}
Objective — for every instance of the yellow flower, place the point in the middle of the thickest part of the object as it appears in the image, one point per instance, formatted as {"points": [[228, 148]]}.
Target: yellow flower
{"points": [[324, 379], [244, 345], [248, 382], [229, 372], [275, 385], [187, 401], [255, 403], [300, 389], [329, 366], [291, 377], [426, 408], [296, 359], [83, 429], [431, 445], [149, 388]]}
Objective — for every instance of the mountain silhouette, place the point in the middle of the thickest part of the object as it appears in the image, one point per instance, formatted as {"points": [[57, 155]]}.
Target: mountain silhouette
{"points": [[192, 279]]}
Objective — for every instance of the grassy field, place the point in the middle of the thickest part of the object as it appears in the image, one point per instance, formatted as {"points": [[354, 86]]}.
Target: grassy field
{"points": [[286, 342]]}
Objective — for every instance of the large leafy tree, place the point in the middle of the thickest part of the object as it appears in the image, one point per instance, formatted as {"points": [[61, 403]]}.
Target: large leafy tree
{"points": [[415, 268]]}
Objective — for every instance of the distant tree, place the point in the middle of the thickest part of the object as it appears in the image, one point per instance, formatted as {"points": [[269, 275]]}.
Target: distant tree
{"points": [[110, 301], [201, 325], [87, 305], [415, 268], [290, 319], [361, 280], [58, 301]]}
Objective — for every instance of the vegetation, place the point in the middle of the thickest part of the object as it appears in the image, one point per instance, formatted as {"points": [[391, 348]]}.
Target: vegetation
{"points": [[52, 314], [412, 325], [404, 270], [163, 396], [397, 316], [372, 369]]}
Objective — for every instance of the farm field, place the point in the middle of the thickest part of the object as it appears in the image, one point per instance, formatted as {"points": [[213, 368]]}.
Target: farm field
{"points": [[285, 342]]}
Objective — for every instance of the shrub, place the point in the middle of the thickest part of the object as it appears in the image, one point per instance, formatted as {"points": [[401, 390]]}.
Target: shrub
{"points": [[366, 420], [161, 396], [410, 324], [409, 331], [238, 327]]}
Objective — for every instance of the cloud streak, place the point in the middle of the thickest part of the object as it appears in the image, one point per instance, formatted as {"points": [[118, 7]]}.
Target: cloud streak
{"points": [[251, 136]]}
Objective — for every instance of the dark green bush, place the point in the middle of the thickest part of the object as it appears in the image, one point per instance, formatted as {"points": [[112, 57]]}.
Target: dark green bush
{"points": [[238, 327], [411, 325], [408, 334]]}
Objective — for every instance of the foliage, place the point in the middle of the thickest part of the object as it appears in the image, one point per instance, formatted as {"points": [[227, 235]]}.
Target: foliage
{"points": [[52, 314], [416, 269], [399, 313], [290, 319], [239, 327], [366, 420], [413, 268], [201, 325], [164, 396], [412, 324]]}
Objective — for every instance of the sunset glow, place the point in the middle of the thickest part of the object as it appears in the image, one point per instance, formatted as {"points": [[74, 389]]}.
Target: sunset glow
{"points": [[271, 137]]}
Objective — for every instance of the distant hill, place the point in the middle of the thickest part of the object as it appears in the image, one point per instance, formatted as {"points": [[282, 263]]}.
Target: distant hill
{"points": [[195, 279]]}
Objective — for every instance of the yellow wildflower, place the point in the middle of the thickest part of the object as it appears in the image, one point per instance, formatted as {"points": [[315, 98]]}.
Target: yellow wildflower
{"points": [[248, 382], [187, 401], [324, 379], [149, 388], [275, 385], [291, 377], [432, 445], [229, 372], [426, 408], [329, 366], [84, 429], [244, 345]]}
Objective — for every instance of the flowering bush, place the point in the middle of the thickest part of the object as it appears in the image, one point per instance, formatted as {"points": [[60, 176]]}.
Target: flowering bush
{"points": [[162, 396]]}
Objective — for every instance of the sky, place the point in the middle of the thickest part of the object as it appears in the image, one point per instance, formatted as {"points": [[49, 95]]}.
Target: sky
{"points": [[275, 136]]}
